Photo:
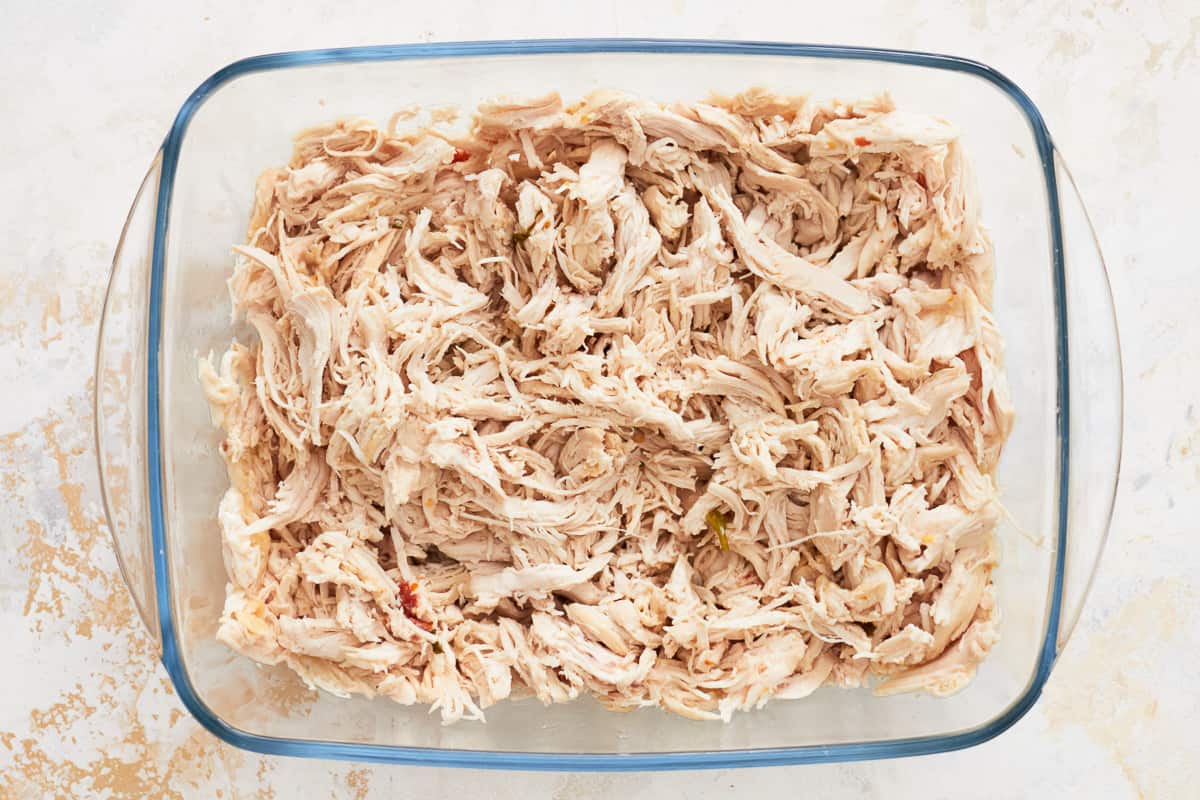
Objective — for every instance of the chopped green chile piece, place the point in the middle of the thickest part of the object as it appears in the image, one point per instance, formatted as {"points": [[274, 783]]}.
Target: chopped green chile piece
{"points": [[717, 522]]}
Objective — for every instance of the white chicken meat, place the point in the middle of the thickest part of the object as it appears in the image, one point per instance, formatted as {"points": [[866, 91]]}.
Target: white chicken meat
{"points": [[686, 406]]}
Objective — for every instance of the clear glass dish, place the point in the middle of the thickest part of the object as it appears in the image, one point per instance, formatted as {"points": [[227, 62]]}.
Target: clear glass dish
{"points": [[167, 304]]}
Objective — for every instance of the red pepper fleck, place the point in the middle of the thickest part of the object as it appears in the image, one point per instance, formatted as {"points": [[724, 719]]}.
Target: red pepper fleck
{"points": [[921, 180], [408, 601], [861, 141], [460, 156], [408, 597]]}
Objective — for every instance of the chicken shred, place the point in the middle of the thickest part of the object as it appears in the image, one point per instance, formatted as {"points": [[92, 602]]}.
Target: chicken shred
{"points": [[687, 406]]}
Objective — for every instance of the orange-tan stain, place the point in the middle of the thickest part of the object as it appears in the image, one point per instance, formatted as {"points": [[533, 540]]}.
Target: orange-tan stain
{"points": [[358, 781], [96, 738], [52, 321], [108, 725], [1104, 687], [128, 765], [65, 565], [265, 790]]}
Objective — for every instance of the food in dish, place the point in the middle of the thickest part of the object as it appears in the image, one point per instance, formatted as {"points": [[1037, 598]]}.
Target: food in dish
{"points": [[688, 406]]}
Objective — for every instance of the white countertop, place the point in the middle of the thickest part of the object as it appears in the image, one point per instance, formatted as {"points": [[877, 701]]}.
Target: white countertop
{"points": [[88, 93]]}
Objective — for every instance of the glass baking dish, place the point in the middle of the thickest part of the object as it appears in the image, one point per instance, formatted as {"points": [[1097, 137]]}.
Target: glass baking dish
{"points": [[167, 304]]}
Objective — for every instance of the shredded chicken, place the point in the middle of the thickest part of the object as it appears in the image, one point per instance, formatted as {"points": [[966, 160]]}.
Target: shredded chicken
{"points": [[684, 406]]}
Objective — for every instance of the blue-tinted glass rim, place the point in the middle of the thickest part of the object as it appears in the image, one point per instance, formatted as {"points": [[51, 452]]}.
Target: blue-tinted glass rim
{"points": [[614, 762]]}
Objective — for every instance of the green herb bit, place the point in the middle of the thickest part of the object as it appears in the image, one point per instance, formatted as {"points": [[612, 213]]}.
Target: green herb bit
{"points": [[521, 235]]}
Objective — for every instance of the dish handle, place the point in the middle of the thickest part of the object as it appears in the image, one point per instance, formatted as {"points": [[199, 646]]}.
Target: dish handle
{"points": [[1094, 377], [120, 400]]}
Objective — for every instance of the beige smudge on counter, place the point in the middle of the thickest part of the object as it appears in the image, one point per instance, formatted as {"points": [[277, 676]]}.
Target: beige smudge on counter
{"points": [[359, 783], [1189, 48], [82, 307], [64, 564], [265, 790], [52, 321], [130, 764], [1099, 688], [73, 589], [109, 726], [1157, 49], [580, 787], [979, 15]]}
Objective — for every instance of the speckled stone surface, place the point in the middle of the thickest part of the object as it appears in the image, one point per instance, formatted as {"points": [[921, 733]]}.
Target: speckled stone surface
{"points": [[88, 92]]}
